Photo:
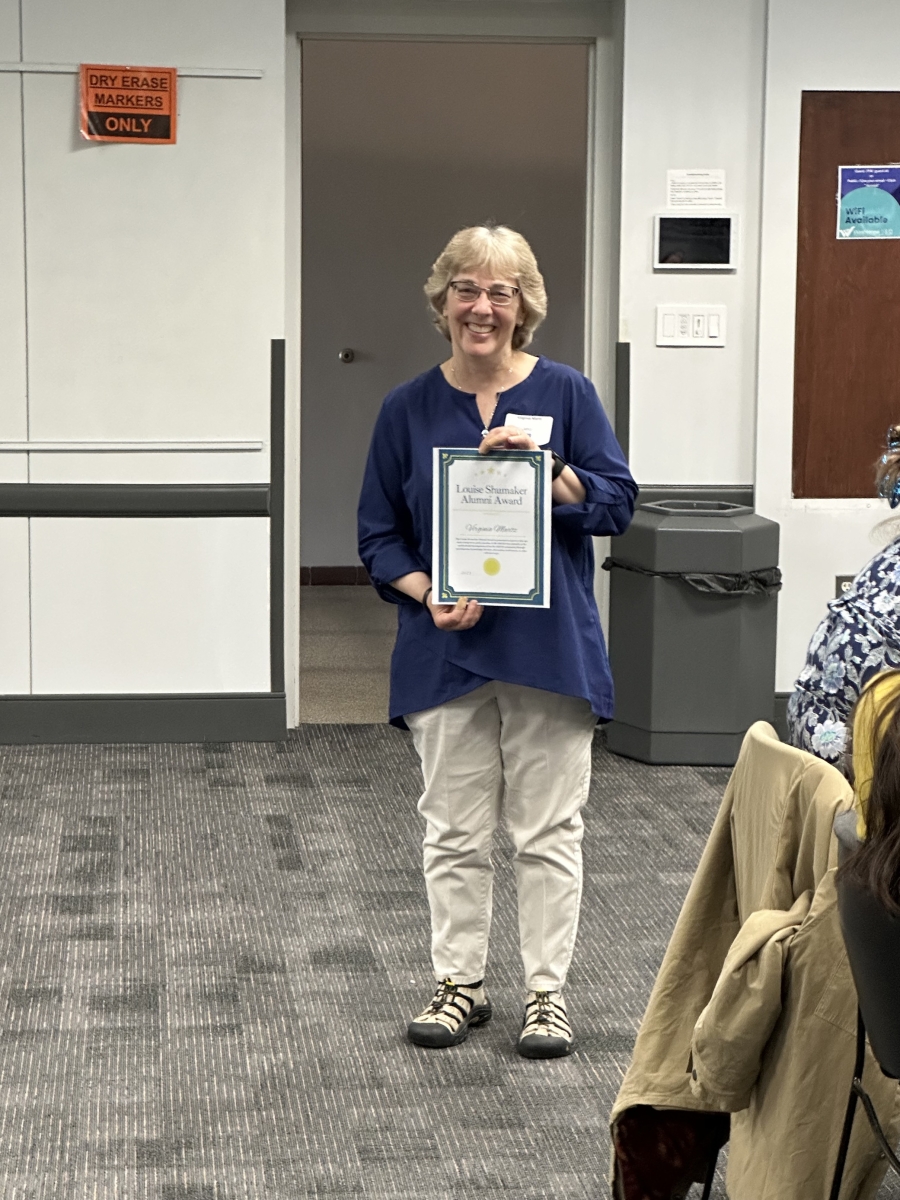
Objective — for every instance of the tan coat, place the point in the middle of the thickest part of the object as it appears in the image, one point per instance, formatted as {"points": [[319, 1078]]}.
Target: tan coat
{"points": [[754, 1010]]}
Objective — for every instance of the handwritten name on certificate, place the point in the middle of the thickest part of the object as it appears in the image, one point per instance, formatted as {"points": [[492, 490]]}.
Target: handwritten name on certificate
{"points": [[492, 527]]}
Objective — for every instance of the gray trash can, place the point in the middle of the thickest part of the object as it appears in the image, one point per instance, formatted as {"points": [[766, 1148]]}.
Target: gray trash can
{"points": [[692, 623]]}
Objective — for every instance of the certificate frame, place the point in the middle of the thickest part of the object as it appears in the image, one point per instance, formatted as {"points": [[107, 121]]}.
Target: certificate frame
{"points": [[536, 592]]}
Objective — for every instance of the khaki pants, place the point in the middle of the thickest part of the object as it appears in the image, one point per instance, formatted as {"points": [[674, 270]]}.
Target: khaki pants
{"points": [[526, 753]]}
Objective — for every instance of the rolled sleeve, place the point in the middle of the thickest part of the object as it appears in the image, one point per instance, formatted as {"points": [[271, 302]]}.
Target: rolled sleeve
{"points": [[606, 509], [595, 456]]}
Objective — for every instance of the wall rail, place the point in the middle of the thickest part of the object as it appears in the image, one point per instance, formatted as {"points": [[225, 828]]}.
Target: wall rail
{"points": [[29, 68], [134, 500]]}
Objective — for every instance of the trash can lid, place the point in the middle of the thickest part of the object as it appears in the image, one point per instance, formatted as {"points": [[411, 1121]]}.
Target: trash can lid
{"points": [[697, 508]]}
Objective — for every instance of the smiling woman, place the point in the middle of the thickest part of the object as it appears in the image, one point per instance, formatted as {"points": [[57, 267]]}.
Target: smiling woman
{"points": [[501, 701]]}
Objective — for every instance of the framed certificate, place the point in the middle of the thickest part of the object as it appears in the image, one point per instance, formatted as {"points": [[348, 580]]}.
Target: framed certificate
{"points": [[492, 527]]}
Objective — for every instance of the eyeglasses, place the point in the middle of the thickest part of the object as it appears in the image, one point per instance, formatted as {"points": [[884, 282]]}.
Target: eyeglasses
{"points": [[499, 295]]}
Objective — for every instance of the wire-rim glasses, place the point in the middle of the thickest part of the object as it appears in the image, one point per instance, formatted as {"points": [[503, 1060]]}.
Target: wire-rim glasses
{"points": [[499, 295]]}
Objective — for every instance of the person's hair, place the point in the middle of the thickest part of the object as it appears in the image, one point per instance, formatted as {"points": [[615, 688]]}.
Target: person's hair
{"points": [[876, 864], [496, 250]]}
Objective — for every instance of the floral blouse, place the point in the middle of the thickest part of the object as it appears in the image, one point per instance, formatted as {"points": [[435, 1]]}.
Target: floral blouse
{"points": [[859, 637]]}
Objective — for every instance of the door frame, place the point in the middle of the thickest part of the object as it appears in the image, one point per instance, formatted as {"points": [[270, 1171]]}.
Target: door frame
{"points": [[596, 25]]}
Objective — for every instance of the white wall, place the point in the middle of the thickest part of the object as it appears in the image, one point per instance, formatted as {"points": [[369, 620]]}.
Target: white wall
{"points": [[13, 410], [811, 46], [692, 97], [141, 288], [156, 604], [155, 275], [708, 84], [15, 647], [154, 289]]}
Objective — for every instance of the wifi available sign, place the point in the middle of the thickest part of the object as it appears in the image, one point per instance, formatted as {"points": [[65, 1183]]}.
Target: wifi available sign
{"points": [[869, 202]]}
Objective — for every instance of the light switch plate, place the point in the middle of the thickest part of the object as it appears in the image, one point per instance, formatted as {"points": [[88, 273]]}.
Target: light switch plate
{"points": [[691, 325]]}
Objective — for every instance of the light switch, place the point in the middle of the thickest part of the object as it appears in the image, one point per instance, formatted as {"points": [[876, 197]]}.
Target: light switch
{"points": [[690, 325]]}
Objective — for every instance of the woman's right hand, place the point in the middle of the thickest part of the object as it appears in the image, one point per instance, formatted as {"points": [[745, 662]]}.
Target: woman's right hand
{"points": [[461, 615], [454, 617]]}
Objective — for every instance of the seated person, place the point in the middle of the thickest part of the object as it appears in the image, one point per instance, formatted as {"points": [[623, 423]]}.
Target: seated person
{"points": [[876, 769], [858, 638]]}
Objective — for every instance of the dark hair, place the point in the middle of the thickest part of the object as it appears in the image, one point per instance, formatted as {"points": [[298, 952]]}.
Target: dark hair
{"points": [[876, 864], [887, 469]]}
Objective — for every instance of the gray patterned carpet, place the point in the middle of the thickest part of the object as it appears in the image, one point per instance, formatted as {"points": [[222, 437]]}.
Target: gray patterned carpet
{"points": [[210, 952]]}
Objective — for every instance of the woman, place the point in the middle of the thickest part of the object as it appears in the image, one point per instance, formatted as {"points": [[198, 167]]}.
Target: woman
{"points": [[501, 702], [858, 638]]}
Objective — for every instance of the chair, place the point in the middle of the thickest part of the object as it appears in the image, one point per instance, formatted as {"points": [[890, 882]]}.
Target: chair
{"points": [[771, 845], [660, 1154], [872, 937]]}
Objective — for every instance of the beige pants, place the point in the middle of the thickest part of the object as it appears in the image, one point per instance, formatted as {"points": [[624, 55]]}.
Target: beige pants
{"points": [[526, 753]]}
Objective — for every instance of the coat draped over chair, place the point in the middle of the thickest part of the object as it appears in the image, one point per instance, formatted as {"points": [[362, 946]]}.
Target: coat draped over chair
{"points": [[753, 1012]]}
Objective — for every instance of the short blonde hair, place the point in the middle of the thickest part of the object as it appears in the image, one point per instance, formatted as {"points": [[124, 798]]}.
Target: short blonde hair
{"points": [[498, 250]]}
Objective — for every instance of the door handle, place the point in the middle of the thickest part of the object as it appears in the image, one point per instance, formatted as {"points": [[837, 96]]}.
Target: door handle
{"points": [[346, 356]]}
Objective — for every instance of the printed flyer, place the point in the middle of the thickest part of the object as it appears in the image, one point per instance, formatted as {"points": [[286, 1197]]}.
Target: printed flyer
{"points": [[869, 202]]}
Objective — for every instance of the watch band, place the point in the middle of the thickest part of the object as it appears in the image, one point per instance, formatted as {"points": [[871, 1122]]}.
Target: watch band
{"points": [[559, 465]]}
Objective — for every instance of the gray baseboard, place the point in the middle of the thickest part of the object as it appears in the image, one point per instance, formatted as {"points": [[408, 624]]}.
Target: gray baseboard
{"points": [[334, 576], [685, 749], [689, 749], [229, 717]]}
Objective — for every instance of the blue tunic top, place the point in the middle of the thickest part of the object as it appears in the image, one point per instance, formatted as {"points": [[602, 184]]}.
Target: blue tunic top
{"points": [[560, 648]]}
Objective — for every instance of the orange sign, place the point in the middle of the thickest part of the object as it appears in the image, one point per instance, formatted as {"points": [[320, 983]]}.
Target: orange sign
{"points": [[128, 104]]}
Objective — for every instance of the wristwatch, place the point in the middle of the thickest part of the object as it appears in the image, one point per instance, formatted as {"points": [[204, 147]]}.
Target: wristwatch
{"points": [[559, 465]]}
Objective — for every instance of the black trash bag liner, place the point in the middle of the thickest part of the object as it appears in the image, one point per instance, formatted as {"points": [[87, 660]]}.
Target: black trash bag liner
{"points": [[766, 582]]}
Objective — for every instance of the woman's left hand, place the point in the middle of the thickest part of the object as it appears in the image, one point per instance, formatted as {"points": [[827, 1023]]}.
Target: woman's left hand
{"points": [[567, 487], [507, 437]]}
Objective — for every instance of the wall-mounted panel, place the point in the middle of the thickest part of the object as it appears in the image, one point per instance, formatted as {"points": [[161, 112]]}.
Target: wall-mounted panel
{"points": [[14, 614], [13, 468], [248, 466], [692, 410], [13, 403], [191, 33], [136, 605], [9, 31], [152, 297]]}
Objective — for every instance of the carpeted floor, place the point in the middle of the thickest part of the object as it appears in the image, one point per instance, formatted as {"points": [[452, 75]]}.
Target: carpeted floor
{"points": [[210, 952], [346, 638]]}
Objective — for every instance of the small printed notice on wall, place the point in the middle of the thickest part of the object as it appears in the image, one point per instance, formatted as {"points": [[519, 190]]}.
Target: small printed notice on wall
{"points": [[869, 202], [695, 188], [128, 104]]}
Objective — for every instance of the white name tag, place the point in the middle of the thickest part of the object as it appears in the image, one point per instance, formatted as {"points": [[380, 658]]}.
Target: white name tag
{"points": [[537, 428]]}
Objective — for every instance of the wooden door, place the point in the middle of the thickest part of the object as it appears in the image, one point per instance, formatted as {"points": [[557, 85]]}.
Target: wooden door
{"points": [[404, 143], [847, 350]]}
